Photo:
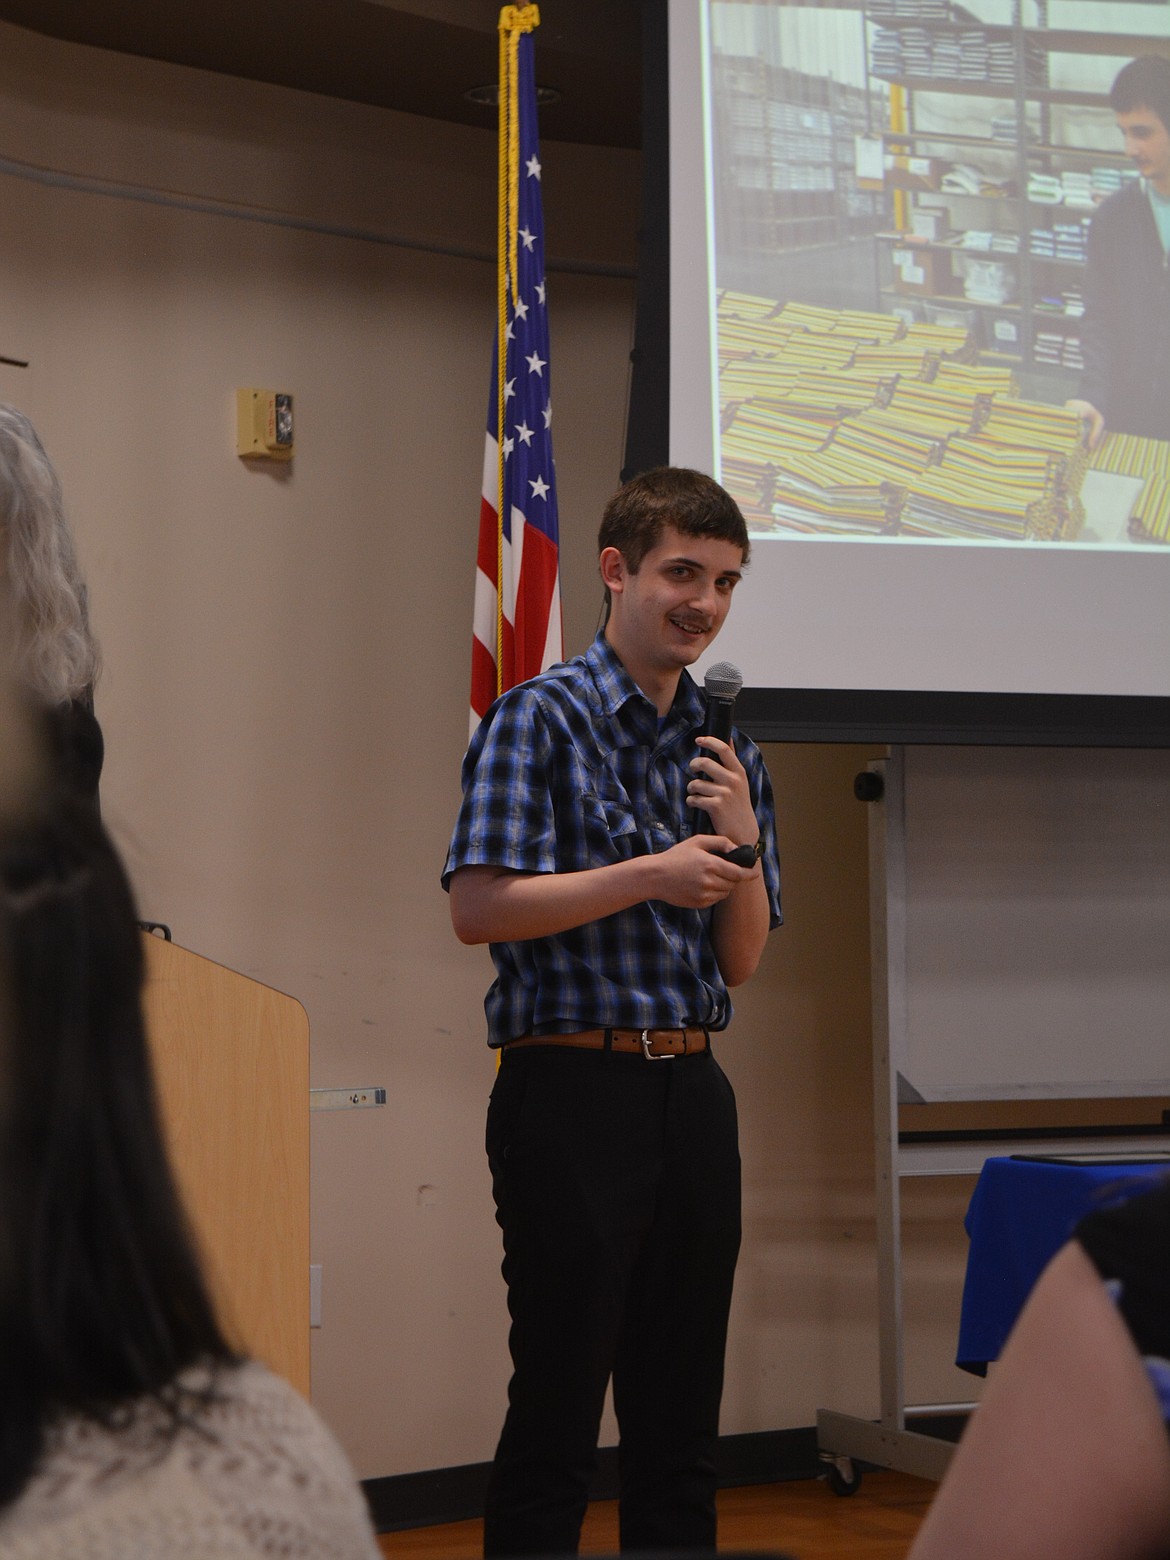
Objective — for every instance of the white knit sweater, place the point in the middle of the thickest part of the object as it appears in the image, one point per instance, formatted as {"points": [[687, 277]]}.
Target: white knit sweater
{"points": [[257, 1473]]}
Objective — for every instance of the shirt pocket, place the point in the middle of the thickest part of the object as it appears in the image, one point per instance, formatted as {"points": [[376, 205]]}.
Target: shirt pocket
{"points": [[610, 825]]}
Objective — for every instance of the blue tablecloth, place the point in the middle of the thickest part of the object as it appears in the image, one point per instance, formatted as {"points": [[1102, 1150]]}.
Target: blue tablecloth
{"points": [[1020, 1215]]}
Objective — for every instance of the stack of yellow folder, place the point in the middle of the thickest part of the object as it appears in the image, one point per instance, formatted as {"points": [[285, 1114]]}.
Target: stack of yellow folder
{"points": [[949, 341], [941, 502], [890, 453], [1039, 427], [744, 306], [839, 391], [846, 422], [763, 432], [983, 458], [861, 325], [1034, 424], [740, 339], [807, 316], [894, 357], [917, 421], [1152, 510], [939, 405], [817, 349], [1129, 456], [822, 493], [757, 380], [757, 439], [980, 378]]}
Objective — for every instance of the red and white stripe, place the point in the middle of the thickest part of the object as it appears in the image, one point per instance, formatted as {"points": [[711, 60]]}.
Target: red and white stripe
{"points": [[531, 627]]}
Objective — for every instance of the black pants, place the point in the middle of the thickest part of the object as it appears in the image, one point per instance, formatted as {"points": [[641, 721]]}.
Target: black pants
{"points": [[617, 1188]]}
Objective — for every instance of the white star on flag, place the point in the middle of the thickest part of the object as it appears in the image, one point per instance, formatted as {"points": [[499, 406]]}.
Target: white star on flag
{"points": [[529, 238], [535, 363], [539, 487], [524, 433], [533, 167]]}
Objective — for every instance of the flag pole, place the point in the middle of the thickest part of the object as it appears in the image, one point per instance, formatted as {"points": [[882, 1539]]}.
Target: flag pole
{"points": [[516, 623], [514, 20]]}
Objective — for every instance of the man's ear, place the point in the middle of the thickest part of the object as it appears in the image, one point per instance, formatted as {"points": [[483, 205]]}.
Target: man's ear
{"points": [[613, 569]]}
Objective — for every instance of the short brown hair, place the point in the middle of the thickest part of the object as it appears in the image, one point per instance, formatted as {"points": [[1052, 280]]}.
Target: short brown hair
{"points": [[1143, 83], [690, 501]]}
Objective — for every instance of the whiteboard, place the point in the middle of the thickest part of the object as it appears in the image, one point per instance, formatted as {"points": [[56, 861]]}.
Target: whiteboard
{"points": [[1028, 922]]}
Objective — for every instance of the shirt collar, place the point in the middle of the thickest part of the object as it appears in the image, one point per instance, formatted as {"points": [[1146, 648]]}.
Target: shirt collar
{"points": [[615, 689]]}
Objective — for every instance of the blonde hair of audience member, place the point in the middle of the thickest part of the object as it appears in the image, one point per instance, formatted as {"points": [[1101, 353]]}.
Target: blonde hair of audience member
{"points": [[1067, 1456], [52, 651]]}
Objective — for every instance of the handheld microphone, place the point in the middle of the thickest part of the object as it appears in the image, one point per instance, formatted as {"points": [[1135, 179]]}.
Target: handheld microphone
{"points": [[721, 683]]}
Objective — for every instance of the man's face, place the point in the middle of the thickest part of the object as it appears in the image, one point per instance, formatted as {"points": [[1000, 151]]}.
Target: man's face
{"points": [[666, 614], [1147, 142]]}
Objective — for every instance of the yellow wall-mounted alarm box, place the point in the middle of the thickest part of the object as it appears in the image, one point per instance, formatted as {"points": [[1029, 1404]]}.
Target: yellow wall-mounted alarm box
{"points": [[264, 425]]}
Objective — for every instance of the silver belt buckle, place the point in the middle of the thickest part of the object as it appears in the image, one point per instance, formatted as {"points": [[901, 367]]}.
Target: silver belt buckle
{"points": [[651, 1056]]}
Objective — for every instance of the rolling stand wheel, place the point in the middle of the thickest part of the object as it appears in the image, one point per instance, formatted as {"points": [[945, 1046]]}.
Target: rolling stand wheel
{"points": [[842, 1476]]}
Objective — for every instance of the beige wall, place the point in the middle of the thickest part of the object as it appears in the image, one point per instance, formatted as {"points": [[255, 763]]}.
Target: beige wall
{"points": [[285, 693]]}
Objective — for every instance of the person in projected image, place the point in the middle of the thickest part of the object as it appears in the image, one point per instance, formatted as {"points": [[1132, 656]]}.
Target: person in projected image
{"points": [[1125, 387], [129, 1425], [1068, 1455]]}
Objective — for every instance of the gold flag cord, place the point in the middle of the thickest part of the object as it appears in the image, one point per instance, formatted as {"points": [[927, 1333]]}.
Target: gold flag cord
{"points": [[514, 20]]}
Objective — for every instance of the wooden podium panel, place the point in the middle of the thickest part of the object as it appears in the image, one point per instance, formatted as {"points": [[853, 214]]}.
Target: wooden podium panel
{"points": [[231, 1060]]}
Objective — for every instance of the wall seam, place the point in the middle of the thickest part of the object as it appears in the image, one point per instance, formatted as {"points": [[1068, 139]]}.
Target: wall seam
{"points": [[89, 184]]}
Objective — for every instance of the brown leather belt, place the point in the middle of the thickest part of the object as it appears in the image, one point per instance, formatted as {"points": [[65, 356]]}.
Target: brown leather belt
{"points": [[654, 1044]]}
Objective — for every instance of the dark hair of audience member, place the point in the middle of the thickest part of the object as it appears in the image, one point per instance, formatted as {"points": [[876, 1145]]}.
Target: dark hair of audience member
{"points": [[101, 1298]]}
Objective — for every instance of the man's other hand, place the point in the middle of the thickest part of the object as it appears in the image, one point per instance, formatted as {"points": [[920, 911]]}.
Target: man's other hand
{"points": [[694, 875], [1092, 419]]}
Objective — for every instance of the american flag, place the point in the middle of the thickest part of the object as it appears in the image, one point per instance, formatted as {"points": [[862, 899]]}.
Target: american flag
{"points": [[517, 624]]}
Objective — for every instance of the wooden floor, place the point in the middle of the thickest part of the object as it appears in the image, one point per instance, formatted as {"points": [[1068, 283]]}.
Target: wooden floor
{"points": [[802, 1518]]}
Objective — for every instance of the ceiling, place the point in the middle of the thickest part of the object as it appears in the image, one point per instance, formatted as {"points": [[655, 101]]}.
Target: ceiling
{"points": [[419, 56]]}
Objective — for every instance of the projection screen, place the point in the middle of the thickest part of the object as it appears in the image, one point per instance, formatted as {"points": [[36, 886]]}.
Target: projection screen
{"points": [[893, 266]]}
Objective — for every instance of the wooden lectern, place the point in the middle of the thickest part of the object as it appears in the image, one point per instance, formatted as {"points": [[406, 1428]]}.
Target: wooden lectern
{"points": [[231, 1060]]}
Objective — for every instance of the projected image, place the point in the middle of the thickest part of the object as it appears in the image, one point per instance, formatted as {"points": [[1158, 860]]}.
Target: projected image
{"points": [[943, 303]]}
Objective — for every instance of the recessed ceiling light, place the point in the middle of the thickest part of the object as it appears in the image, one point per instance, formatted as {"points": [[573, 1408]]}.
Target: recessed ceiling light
{"points": [[489, 95]]}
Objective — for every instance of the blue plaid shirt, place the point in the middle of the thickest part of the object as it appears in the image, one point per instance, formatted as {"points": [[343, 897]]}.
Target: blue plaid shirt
{"points": [[570, 771]]}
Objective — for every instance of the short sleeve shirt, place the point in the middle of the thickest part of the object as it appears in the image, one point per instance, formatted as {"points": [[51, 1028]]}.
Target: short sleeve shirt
{"points": [[571, 771]]}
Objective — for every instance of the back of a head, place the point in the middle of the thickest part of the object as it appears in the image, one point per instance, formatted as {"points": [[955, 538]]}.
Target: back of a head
{"points": [[51, 645], [1143, 83], [71, 1032], [101, 1300], [690, 501]]}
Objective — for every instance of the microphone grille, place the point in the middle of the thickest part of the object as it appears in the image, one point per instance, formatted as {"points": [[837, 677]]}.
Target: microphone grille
{"points": [[723, 681]]}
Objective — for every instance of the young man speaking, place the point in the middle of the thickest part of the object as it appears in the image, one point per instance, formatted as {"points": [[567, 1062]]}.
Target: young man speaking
{"points": [[616, 930]]}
